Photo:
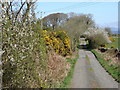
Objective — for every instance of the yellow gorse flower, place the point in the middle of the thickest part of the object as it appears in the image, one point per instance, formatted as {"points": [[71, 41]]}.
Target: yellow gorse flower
{"points": [[60, 44]]}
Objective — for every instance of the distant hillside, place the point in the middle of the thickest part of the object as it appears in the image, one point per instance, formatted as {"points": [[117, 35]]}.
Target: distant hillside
{"points": [[115, 31]]}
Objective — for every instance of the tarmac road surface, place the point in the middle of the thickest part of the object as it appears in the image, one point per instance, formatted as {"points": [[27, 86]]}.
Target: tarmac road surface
{"points": [[89, 73]]}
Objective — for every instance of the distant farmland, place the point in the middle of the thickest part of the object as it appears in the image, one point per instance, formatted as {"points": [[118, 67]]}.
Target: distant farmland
{"points": [[115, 31]]}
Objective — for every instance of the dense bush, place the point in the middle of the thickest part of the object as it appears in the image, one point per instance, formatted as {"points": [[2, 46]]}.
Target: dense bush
{"points": [[24, 59], [58, 41], [76, 26], [96, 37], [109, 31]]}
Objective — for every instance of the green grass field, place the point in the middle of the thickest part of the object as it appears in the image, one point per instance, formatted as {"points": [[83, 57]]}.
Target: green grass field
{"points": [[113, 44]]}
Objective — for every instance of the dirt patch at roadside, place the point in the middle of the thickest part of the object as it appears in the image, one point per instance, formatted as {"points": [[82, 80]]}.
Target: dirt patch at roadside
{"points": [[58, 68], [111, 54]]}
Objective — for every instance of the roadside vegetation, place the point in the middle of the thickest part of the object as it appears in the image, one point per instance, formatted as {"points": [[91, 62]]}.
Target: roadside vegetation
{"points": [[96, 37], [34, 55], [112, 69], [67, 81], [106, 49], [38, 52], [114, 43], [58, 41], [108, 55]]}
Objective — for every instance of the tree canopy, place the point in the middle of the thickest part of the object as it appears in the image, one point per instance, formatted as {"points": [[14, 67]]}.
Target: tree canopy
{"points": [[54, 20]]}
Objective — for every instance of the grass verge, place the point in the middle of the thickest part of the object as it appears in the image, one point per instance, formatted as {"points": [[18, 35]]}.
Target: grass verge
{"points": [[68, 78], [114, 44], [113, 70]]}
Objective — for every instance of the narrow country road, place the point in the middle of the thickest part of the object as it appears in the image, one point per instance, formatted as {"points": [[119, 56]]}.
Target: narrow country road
{"points": [[89, 73]]}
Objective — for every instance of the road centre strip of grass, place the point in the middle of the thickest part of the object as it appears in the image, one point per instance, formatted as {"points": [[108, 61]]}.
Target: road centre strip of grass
{"points": [[113, 70]]}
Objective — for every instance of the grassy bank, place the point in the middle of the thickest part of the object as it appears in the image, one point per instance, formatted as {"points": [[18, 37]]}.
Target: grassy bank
{"points": [[111, 69], [114, 44], [67, 80]]}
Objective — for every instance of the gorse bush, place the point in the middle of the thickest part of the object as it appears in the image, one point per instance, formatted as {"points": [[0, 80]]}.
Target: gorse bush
{"points": [[58, 41], [111, 39]]}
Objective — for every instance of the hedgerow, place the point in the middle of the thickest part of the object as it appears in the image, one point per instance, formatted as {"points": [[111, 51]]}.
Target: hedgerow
{"points": [[24, 59]]}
